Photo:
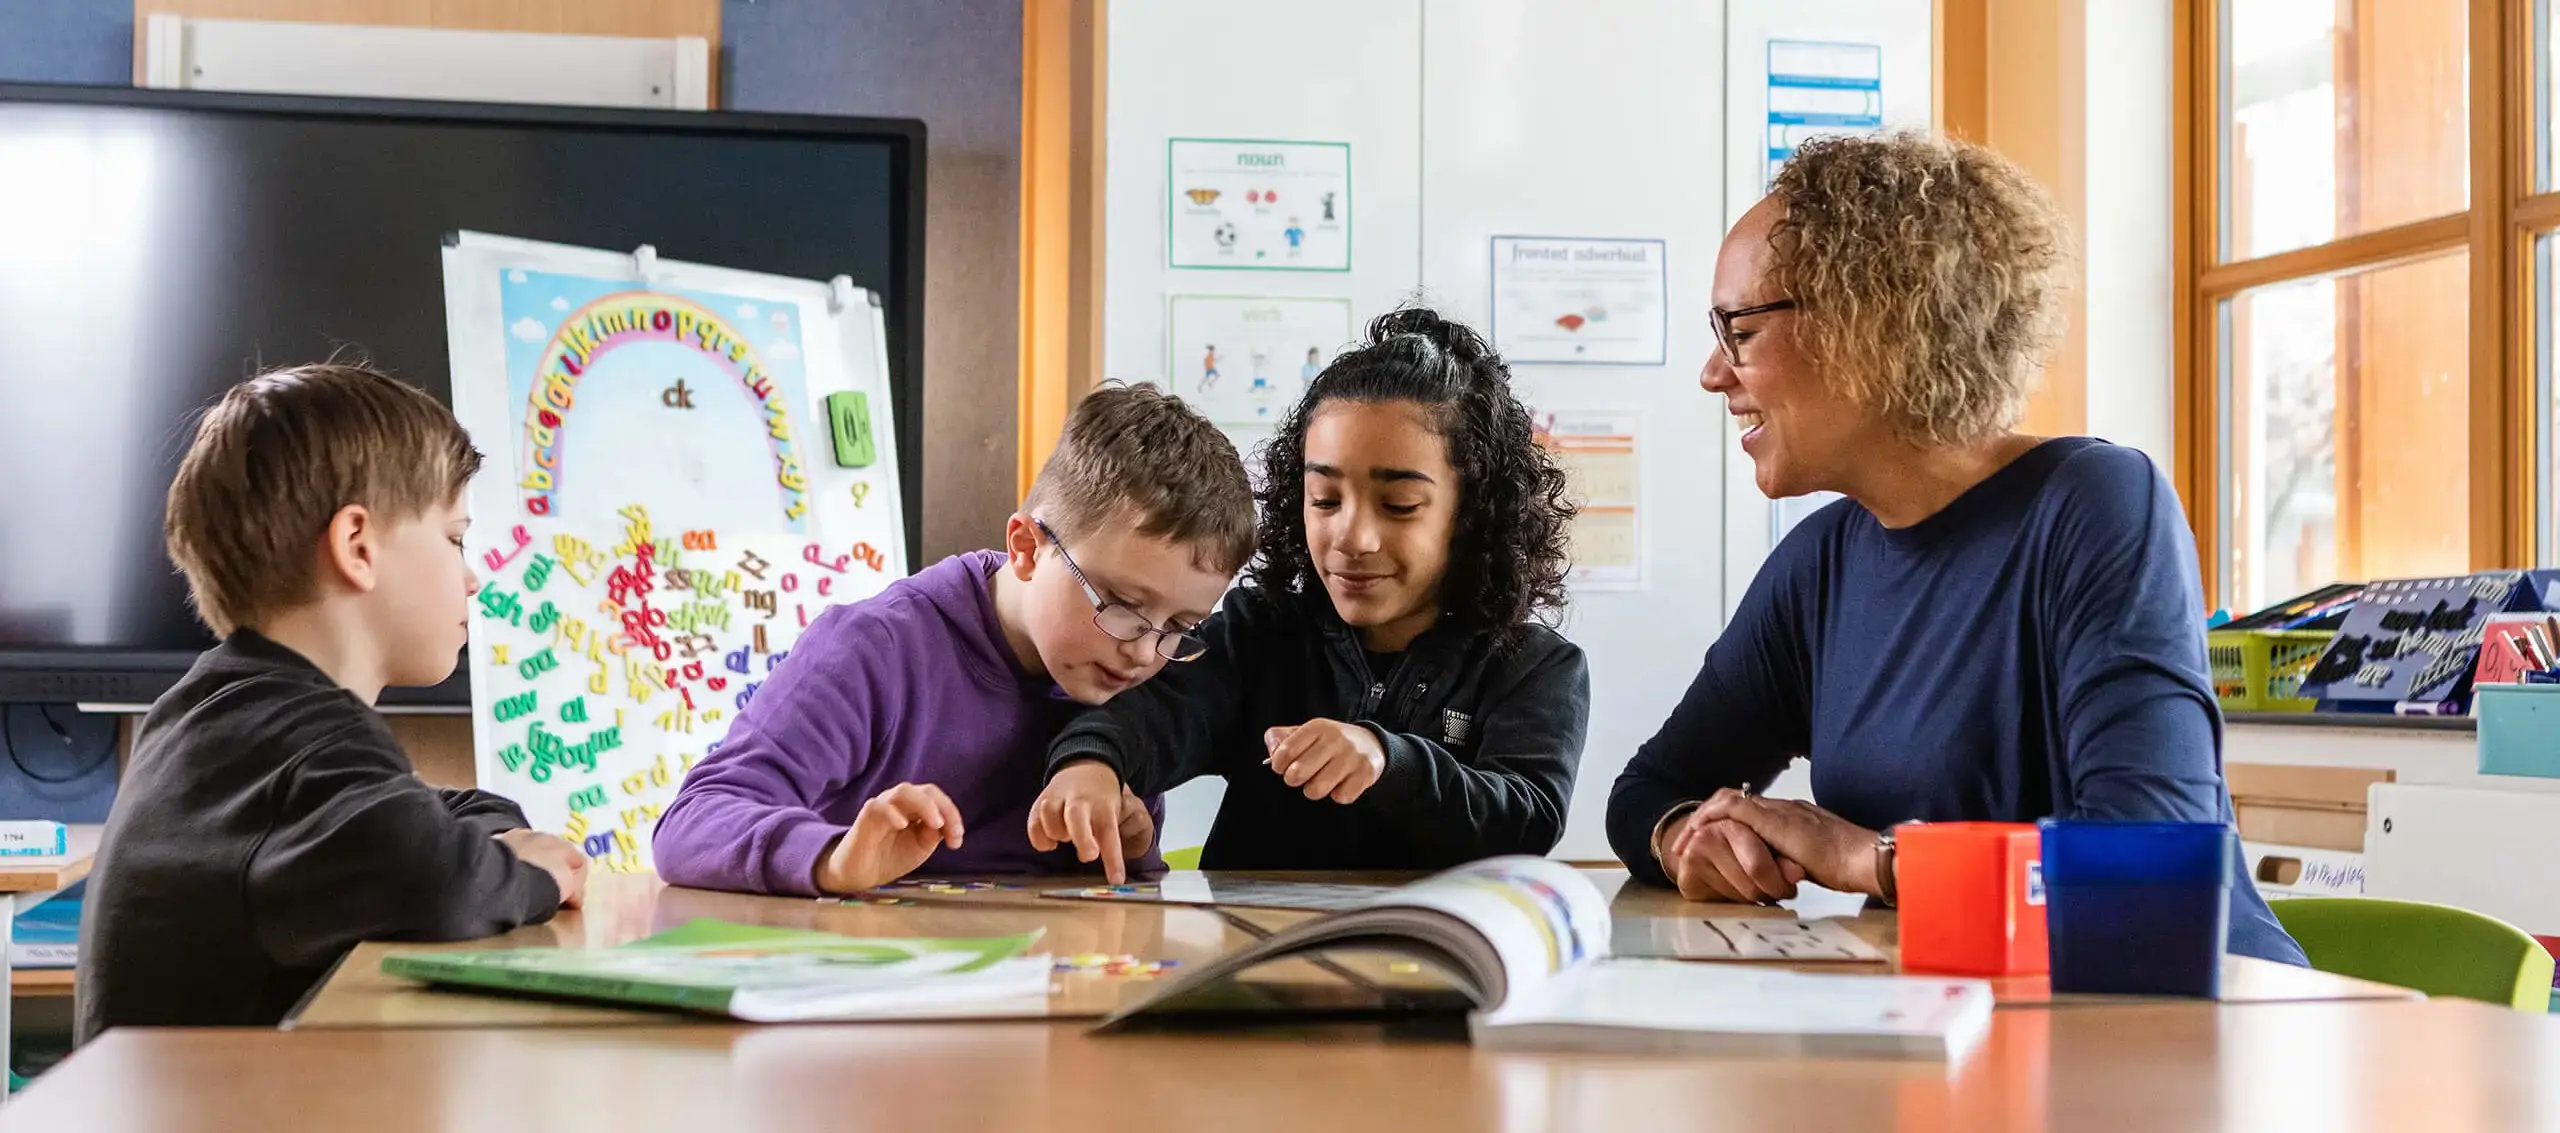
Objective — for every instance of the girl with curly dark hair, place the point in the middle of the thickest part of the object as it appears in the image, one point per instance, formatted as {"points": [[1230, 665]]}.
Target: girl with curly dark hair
{"points": [[1384, 692]]}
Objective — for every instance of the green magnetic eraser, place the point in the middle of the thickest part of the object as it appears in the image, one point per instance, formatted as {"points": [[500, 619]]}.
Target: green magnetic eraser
{"points": [[849, 418]]}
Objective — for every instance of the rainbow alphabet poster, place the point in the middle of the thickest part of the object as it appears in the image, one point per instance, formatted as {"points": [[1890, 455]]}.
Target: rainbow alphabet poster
{"points": [[709, 383], [683, 465]]}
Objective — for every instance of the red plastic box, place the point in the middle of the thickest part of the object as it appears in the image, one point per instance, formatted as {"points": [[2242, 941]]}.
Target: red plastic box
{"points": [[1972, 898]]}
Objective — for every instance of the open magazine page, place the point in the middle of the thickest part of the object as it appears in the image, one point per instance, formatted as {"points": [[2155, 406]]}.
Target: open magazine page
{"points": [[1492, 928], [1540, 916]]}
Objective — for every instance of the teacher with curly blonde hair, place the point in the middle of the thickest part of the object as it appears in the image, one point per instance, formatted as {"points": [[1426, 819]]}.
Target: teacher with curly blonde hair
{"points": [[1991, 625]]}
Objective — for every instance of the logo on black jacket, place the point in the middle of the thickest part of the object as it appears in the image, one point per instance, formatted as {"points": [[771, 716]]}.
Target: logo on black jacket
{"points": [[1455, 726]]}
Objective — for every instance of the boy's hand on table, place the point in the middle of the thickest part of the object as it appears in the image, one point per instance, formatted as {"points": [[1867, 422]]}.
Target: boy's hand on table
{"points": [[1137, 828], [1081, 807], [1326, 758], [893, 834], [553, 855]]}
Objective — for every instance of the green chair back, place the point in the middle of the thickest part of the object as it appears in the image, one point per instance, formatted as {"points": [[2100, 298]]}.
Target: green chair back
{"points": [[2436, 949], [1187, 858]]}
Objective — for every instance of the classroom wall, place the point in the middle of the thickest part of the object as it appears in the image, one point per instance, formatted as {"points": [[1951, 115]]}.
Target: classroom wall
{"points": [[1555, 118], [1467, 119], [1594, 119], [66, 41], [2131, 372], [1172, 73]]}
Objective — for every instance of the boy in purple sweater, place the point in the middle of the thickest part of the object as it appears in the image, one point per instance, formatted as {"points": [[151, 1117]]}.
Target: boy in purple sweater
{"points": [[902, 723]]}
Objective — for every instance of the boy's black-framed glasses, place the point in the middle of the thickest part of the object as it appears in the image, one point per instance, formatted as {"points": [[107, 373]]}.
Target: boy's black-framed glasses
{"points": [[1122, 622], [1722, 321]]}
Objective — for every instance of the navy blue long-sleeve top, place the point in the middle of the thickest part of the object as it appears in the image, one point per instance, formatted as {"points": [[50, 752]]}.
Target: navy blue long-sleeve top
{"points": [[2035, 648]]}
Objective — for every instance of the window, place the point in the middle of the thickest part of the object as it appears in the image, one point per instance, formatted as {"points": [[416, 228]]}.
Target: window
{"points": [[2327, 135], [2354, 400], [2342, 396]]}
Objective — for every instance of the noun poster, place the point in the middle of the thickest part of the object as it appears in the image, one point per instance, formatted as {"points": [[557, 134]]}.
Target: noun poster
{"points": [[1258, 205], [684, 465]]}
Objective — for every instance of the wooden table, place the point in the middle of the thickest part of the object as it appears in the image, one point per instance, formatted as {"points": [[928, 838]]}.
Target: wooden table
{"points": [[2446, 1066], [382, 1054], [625, 907]]}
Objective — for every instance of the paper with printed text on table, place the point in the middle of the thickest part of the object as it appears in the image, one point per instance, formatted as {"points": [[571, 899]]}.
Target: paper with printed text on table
{"points": [[1527, 942]]}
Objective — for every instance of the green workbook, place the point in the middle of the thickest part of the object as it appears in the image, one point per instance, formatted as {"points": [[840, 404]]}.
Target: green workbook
{"points": [[764, 975]]}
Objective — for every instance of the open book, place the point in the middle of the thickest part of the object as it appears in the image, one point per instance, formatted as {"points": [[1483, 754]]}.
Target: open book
{"points": [[1525, 944], [764, 975]]}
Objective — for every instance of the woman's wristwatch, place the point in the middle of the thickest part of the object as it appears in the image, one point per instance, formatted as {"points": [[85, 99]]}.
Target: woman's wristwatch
{"points": [[1889, 886], [1885, 888]]}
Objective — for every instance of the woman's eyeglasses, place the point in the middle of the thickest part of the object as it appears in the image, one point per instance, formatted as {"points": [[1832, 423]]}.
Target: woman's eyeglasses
{"points": [[1722, 321], [1123, 623]]}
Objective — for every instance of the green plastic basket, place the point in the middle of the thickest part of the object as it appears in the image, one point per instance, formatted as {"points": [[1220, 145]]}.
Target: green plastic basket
{"points": [[2258, 670]]}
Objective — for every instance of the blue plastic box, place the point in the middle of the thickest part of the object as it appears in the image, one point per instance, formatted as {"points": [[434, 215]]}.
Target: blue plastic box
{"points": [[2138, 908], [2520, 730]]}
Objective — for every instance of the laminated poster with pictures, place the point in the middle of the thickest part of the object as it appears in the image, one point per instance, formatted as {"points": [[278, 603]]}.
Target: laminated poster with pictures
{"points": [[685, 465], [1597, 448]]}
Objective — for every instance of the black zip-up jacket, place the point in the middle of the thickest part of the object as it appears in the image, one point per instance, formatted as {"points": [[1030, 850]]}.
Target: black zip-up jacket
{"points": [[1481, 744], [268, 822]]}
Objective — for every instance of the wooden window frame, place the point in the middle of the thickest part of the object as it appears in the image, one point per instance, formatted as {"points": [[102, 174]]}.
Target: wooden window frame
{"points": [[2497, 232]]}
